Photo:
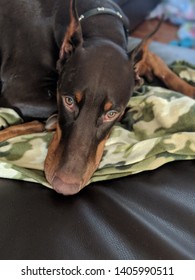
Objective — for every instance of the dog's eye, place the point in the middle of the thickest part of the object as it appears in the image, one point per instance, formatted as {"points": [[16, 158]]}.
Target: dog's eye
{"points": [[111, 115], [69, 102]]}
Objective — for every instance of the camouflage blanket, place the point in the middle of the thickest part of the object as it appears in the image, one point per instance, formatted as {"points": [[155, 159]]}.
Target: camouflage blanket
{"points": [[158, 127]]}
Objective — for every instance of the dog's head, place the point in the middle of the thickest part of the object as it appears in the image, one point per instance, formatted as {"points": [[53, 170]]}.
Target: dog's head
{"points": [[96, 80]]}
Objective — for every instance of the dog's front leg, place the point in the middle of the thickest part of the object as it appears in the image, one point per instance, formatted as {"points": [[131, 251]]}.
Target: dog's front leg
{"points": [[21, 129]]}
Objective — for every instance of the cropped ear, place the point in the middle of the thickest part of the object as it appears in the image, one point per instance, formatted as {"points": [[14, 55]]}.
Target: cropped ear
{"points": [[73, 37], [137, 53]]}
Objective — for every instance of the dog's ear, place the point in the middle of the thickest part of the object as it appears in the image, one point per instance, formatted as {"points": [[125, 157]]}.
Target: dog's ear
{"points": [[73, 36], [137, 53]]}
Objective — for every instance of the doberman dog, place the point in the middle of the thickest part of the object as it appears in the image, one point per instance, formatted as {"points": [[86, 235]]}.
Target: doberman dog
{"points": [[59, 57]]}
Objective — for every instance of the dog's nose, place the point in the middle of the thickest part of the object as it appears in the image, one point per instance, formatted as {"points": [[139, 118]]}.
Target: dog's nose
{"points": [[65, 188]]}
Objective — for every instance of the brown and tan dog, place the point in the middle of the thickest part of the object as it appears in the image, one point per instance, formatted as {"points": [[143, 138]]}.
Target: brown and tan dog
{"points": [[94, 78]]}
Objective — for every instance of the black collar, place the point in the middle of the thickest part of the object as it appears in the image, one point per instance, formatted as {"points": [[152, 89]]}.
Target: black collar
{"points": [[102, 10]]}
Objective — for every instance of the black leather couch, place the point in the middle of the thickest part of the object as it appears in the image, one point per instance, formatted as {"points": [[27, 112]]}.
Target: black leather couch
{"points": [[150, 215]]}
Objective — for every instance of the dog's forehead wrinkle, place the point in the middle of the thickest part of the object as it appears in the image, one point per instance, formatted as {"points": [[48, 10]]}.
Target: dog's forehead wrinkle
{"points": [[96, 104]]}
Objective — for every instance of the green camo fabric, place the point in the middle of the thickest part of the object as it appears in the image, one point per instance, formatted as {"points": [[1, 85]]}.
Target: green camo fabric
{"points": [[158, 127]]}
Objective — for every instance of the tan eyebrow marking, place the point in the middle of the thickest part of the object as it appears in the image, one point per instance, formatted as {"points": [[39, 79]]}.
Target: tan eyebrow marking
{"points": [[108, 105], [78, 96]]}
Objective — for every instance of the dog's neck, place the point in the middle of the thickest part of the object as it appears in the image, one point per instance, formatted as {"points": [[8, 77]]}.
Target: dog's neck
{"points": [[105, 23]]}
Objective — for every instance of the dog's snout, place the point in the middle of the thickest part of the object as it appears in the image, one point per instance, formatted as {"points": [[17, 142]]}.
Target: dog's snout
{"points": [[65, 188]]}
